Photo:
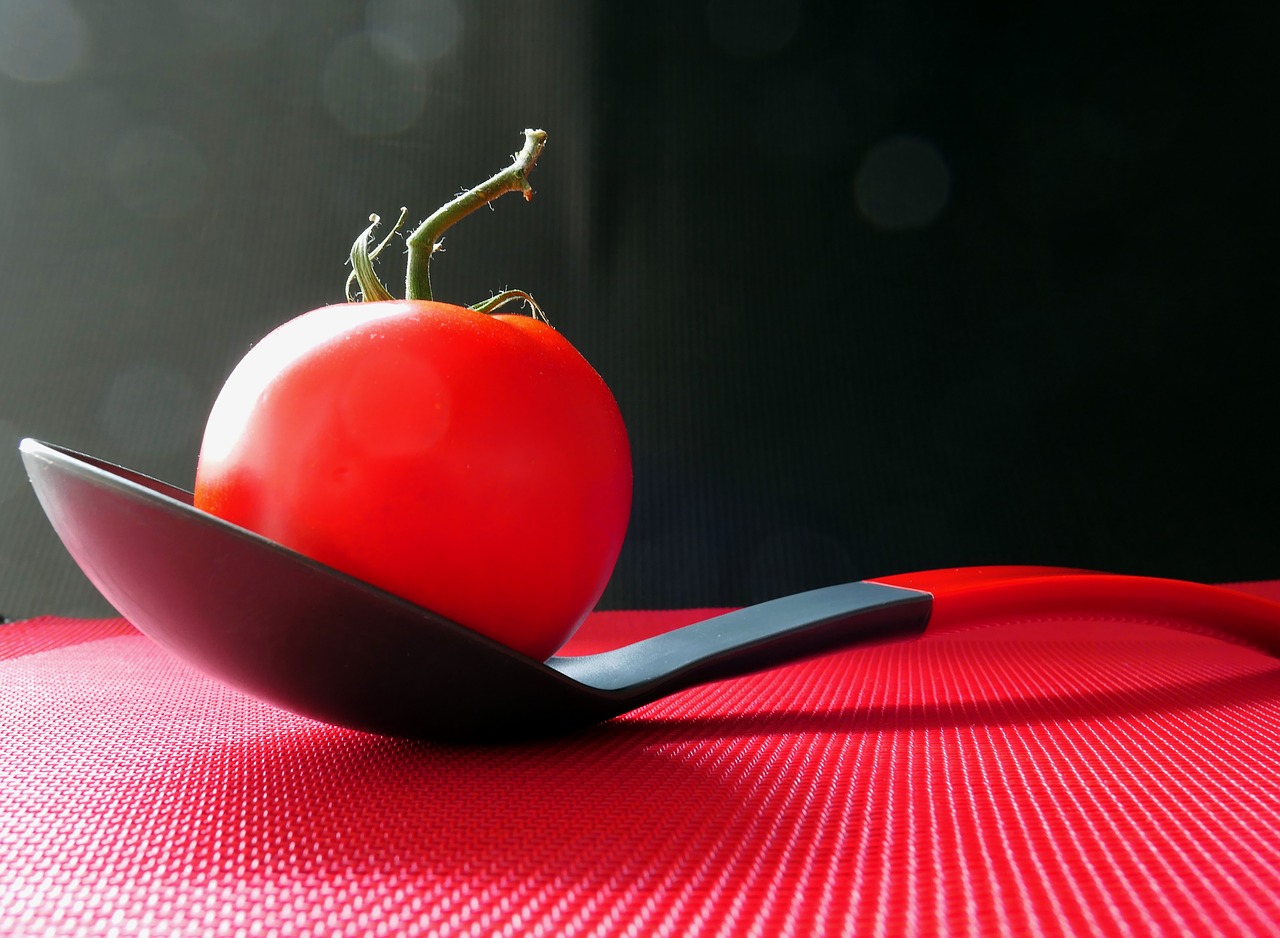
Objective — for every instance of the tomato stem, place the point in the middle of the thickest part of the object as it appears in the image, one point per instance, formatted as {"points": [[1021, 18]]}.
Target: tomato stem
{"points": [[425, 240], [362, 272], [510, 296]]}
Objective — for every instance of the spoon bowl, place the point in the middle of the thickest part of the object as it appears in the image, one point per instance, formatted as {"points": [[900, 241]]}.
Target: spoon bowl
{"points": [[303, 636]]}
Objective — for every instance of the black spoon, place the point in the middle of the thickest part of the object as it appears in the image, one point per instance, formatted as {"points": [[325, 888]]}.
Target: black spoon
{"points": [[305, 637]]}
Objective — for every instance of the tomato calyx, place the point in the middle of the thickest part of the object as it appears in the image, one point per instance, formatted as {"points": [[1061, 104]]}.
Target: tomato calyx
{"points": [[362, 272], [426, 240], [498, 300]]}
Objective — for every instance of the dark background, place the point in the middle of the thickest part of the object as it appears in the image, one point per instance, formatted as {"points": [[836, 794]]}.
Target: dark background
{"points": [[879, 286]]}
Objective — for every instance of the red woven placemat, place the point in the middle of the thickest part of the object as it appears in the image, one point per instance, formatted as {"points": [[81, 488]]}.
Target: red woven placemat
{"points": [[1049, 777]]}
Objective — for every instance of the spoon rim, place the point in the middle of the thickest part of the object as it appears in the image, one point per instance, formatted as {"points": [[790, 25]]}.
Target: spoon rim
{"points": [[140, 485]]}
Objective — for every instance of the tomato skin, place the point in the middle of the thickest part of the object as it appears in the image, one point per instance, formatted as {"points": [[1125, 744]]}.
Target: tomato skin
{"points": [[473, 464]]}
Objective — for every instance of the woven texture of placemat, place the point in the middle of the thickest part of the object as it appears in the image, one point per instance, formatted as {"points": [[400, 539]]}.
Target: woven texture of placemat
{"points": [[1047, 777]]}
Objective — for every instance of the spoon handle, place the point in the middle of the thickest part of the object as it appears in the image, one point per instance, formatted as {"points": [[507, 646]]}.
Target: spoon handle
{"points": [[903, 607], [757, 637]]}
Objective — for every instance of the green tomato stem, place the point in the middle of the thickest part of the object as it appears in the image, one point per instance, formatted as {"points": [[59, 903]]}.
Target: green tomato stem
{"points": [[511, 296], [362, 272], [425, 240]]}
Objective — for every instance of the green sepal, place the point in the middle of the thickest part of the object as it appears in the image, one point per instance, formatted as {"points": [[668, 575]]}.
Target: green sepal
{"points": [[509, 296], [362, 272]]}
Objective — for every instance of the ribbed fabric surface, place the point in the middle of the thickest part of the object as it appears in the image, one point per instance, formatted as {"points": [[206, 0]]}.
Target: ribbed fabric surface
{"points": [[1038, 777]]}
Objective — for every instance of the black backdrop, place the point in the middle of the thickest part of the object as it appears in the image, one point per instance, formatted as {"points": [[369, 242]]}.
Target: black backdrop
{"points": [[879, 286]]}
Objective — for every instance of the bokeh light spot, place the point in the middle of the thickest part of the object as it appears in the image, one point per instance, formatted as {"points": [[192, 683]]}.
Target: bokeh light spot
{"points": [[416, 32], [233, 25], [753, 28], [800, 120], [42, 40], [369, 92], [9, 184], [903, 183], [156, 172]]}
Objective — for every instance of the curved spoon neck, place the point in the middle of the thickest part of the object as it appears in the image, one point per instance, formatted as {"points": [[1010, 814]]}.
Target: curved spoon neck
{"points": [[752, 639]]}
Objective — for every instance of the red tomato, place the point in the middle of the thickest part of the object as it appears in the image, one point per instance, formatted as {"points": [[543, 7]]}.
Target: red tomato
{"points": [[473, 464]]}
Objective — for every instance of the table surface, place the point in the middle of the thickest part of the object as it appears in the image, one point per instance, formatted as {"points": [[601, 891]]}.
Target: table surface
{"points": [[1049, 776]]}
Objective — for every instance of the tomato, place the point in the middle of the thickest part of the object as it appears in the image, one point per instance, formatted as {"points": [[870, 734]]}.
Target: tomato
{"points": [[473, 464]]}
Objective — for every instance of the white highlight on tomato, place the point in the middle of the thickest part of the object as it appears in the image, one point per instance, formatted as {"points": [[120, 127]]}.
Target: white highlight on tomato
{"points": [[265, 362]]}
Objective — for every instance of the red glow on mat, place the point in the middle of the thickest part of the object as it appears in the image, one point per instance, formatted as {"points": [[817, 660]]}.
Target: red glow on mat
{"points": [[1055, 775]]}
